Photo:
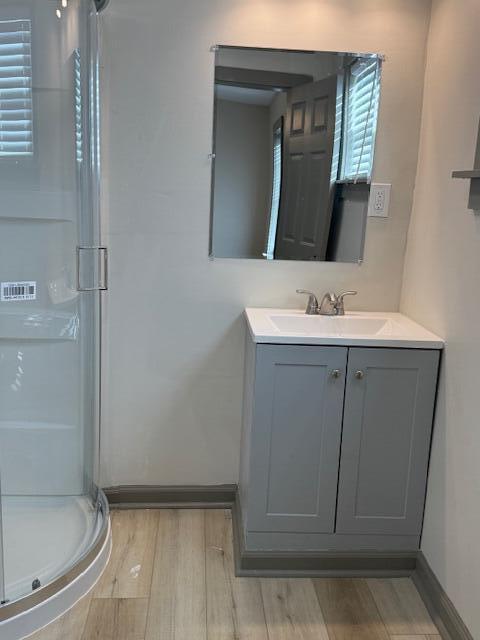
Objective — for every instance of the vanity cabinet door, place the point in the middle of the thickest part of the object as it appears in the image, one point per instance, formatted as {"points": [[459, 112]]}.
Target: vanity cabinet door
{"points": [[297, 422], [389, 404]]}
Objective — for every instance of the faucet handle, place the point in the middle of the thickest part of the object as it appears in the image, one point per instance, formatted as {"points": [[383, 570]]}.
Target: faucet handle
{"points": [[312, 305], [347, 293], [309, 293], [339, 305]]}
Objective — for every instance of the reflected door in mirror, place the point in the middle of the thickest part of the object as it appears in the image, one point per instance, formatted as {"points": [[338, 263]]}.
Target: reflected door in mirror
{"points": [[306, 195]]}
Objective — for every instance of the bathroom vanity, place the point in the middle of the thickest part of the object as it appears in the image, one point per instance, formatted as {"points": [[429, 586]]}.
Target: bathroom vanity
{"points": [[337, 425]]}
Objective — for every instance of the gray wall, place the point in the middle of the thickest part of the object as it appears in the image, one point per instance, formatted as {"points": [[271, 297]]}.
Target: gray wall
{"points": [[173, 331], [441, 290], [242, 179]]}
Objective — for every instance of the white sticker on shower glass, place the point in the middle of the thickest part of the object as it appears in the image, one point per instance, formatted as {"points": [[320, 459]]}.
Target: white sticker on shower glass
{"points": [[10, 291]]}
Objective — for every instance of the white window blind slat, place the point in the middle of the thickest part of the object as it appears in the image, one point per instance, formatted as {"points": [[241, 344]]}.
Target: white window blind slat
{"points": [[8, 73], [13, 82], [16, 101]]}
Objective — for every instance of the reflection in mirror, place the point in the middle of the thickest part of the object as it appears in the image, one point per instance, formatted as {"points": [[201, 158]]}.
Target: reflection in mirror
{"points": [[294, 138]]}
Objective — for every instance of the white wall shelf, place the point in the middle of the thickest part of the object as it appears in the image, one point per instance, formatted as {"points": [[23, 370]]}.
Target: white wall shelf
{"points": [[50, 206], [38, 324], [474, 177], [25, 218], [469, 175]]}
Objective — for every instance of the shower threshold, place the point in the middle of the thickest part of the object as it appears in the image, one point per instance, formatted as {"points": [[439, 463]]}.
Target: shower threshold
{"points": [[44, 536], [58, 541]]}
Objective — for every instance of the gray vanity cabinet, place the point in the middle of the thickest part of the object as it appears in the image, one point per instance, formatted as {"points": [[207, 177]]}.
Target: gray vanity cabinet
{"points": [[335, 446], [389, 402], [295, 446]]}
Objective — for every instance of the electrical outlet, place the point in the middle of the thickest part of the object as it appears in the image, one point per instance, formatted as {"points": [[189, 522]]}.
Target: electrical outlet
{"points": [[379, 200]]}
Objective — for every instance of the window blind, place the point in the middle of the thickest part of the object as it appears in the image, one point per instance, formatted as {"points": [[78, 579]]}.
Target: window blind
{"points": [[363, 92], [16, 121]]}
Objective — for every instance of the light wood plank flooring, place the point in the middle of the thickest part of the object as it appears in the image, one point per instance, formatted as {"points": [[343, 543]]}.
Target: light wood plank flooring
{"points": [[171, 577]]}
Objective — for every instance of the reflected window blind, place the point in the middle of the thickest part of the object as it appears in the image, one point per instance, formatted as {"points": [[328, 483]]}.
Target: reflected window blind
{"points": [[337, 140], [363, 92], [16, 121], [276, 187]]}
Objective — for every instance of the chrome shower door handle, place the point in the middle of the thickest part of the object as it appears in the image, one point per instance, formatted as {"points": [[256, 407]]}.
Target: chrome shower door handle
{"points": [[102, 268], [104, 251]]}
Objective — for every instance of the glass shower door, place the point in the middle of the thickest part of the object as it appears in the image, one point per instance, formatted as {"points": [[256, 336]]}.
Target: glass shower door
{"points": [[49, 289]]}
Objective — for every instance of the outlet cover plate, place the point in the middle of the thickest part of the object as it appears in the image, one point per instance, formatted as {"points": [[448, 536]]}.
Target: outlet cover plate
{"points": [[379, 202]]}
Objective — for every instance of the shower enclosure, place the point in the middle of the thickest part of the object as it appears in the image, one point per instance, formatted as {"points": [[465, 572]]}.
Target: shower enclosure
{"points": [[52, 270]]}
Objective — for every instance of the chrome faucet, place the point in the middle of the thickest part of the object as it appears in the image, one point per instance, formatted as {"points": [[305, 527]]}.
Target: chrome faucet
{"points": [[331, 305], [328, 305]]}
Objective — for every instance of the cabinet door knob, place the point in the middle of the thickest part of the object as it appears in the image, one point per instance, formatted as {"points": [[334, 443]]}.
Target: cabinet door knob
{"points": [[336, 373], [359, 375]]}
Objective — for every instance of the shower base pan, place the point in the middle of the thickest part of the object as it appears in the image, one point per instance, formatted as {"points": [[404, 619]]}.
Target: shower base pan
{"points": [[50, 536]]}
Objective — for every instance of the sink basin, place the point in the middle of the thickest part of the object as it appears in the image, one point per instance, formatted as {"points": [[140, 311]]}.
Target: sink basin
{"points": [[333, 326], [371, 329]]}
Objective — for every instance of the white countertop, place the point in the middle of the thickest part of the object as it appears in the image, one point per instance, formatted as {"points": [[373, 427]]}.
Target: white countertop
{"points": [[362, 328]]}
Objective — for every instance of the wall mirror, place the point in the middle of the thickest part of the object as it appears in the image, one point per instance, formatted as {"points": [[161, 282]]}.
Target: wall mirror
{"points": [[293, 147]]}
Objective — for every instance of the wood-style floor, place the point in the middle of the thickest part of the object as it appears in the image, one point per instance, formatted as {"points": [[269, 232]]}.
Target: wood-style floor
{"points": [[171, 577]]}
